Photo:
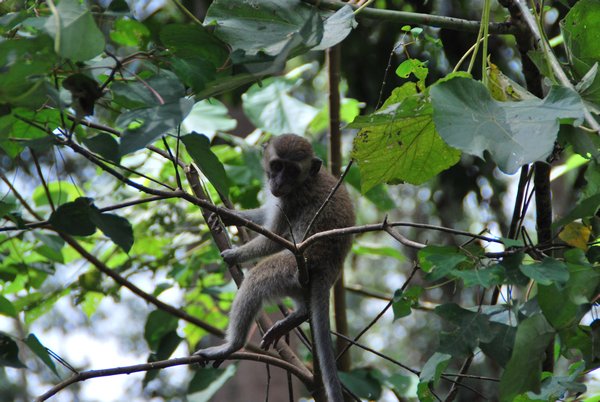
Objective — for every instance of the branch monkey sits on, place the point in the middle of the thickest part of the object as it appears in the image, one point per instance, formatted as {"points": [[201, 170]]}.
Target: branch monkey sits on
{"points": [[296, 188]]}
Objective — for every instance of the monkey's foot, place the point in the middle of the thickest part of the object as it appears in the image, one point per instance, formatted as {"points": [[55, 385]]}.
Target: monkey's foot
{"points": [[273, 335], [216, 353]]}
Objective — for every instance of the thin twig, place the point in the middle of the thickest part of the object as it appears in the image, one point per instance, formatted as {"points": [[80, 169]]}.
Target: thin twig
{"points": [[41, 175]]}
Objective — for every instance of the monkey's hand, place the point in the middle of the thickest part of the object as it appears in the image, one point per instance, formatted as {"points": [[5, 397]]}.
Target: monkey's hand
{"points": [[230, 256]]}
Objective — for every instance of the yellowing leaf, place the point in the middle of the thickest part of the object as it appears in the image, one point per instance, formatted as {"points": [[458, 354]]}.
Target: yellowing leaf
{"points": [[576, 234]]}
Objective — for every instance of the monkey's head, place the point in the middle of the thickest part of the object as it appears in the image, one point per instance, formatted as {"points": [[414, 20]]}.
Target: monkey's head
{"points": [[289, 160]]}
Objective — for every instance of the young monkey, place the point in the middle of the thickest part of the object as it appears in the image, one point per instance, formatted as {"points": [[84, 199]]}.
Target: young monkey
{"points": [[297, 187]]}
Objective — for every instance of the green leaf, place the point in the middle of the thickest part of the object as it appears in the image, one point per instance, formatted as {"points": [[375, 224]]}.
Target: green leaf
{"points": [[51, 248], [208, 117], [76, 35], [424, 393], [167, 346], [74, 218], [439, 261], [9, 352], [403, 301], [377, 250], [162, 88], [514, 133], [194, 41], [336, 27], [41, 352], [267, 26], [271, 107], [362, 382], [378, 195], [7, 308], [397, 142], [486, 277], [434, 368], [198, 146], [471, 328], [60, 193], [129, 32], [581, 39], [524, 369], [158, 325], [105, 145], [583, 209], [547, 272], [207, 381], [151, 123], [564, 306], [501, 346], [6, 208], [416, 67], [118, 229]]}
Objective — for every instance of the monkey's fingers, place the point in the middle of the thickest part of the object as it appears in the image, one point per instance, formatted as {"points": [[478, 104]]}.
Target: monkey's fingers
{"points": [[213, 223], [271, 337]]}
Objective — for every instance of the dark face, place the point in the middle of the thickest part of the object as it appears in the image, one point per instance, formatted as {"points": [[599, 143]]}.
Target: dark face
{"points": [[283, 176]]}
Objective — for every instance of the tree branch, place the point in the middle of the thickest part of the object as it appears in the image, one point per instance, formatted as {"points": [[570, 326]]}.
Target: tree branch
{"points": [[86, 375], [402, 17]]}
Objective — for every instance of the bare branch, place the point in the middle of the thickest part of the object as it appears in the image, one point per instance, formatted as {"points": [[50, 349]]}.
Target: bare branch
{"points": [[86, 375]]}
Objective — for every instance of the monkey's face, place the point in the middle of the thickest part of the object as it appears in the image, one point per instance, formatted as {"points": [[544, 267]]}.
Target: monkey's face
{"points": [[284, 177]]}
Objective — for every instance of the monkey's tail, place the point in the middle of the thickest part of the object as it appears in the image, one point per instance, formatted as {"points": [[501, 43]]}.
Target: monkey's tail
{"points": [[322, 341]]}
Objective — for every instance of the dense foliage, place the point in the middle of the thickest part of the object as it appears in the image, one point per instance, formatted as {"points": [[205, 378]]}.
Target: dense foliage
{"points": [[123, 124]]}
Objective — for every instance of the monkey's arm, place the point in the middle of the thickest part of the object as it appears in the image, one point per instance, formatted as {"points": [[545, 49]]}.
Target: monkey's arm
{"points": [[258, 247], [257, 216]]}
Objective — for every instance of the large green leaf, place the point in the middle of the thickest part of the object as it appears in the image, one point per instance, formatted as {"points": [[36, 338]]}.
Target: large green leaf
{"points": [[399, 142], [271, 107], [7, 308], [524, 369], [266, 26], [336, 27], [151, 123], [76, 35], [166, 347], [514, 133], [471, 328], [198, 146], [207, 381], [434, 368], [24, 64], [581, 35], [207, 117], [439, 261], [162, 88], [105, 145], [564, 306]]}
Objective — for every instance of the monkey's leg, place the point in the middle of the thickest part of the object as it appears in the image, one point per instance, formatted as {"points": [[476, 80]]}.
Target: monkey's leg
{"points": [[285, 325], [271, 279]]}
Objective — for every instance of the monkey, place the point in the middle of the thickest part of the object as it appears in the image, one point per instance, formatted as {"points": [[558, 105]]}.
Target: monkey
{"points": [[296, 186]]}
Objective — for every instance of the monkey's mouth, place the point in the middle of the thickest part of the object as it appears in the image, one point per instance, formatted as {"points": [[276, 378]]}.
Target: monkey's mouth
{"points": [[280, 191]]}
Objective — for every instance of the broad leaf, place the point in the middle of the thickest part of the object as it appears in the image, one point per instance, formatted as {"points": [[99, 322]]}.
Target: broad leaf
{"points": [[434, 368], [208, 117], [397, 143], [105, 145], [9, 352], [166, 347], [162, 88], [514, 133], [40, 351], [158, 325], [198, 146], [524, 369], [337, 27], [76, 35], [74, 218], [547, 272], [266, 26], [471, 328], [583, 209], [500, 347], [151, 123], [564, 306], [583, 46], [271, 107], [7, 308], [439, 261], [118, 229]]}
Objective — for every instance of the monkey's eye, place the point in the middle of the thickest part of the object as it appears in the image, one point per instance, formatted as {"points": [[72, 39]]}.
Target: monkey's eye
{"points": [[292, 171], [276, 166]]}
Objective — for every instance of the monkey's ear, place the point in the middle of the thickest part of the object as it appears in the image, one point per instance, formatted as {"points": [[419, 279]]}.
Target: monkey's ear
{"points": [[315, 166]]}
